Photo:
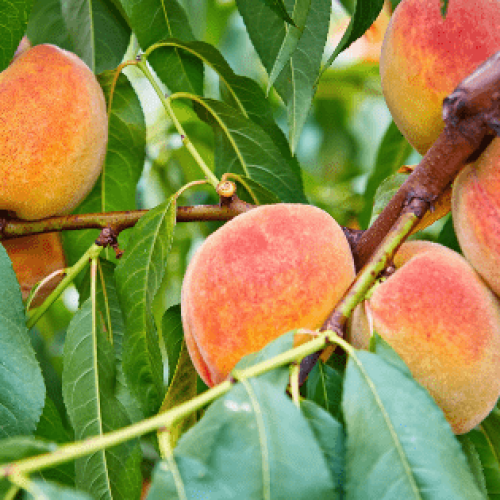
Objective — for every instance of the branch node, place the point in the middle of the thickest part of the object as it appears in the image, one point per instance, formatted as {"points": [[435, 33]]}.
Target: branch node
{"points": [[109, 238]]}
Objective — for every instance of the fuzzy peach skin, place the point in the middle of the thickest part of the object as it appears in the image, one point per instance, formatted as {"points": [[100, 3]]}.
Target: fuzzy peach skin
{"points": [[53, 132], [441, 318], [267, 271], [424, 57], [476, 214], [34, 258]]}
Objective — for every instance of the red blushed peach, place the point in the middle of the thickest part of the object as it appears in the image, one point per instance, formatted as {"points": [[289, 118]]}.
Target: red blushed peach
{"points": [[476, 214], [424, 57], [270, 270], [441, 318]]}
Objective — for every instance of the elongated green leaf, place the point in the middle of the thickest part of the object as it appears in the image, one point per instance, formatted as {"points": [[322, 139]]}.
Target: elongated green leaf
{"points": [[51, 428], [474, 461], [246, 149], [138, 277], [392, 154], [116, 187], [387, 189], [253, 192], [173, 335], [330, 436], [89, 379], [22, 390], [279, 376], [365, 12], [47, 25], [252, 443], [14, 16], [98, 32], [324, 387], [291, 40], [178, 70], [41, 490], [241, 92], [278, 6], [108, 307], [17, 448], [399, 444], [182, 376], [296, 82], [486, 439]]}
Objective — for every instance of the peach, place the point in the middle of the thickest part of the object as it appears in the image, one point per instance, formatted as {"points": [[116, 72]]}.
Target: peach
{"points": [[424, 57], [266, 272], [53, 132], [444, 322], [34, 258], [476, 214]]}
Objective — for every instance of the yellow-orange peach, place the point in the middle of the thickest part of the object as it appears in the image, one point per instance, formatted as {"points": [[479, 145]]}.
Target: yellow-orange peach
{"points": [[424, 57], [267, 271], [53, 132], [441, 318], [476, 214], [34, 258]]}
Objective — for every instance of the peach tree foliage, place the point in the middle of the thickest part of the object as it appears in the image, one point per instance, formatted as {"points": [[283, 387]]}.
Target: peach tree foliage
{"points": [[100, 399]]}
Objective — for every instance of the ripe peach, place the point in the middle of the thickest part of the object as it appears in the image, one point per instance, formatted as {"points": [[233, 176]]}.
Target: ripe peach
{"points": [[267, 271], [476, 214], [53, 132], [444, 322], [33, 258], [424, 57]]}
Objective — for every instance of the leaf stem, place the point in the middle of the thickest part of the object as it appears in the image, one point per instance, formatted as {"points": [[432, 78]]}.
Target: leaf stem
{"points": [[142, 65], [79, 449], [71, 273]]}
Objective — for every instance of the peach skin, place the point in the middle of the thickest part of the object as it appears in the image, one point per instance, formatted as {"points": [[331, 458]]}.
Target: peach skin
{"points": [[266, 272], [441, 318], [53, 132], [424, 57]]}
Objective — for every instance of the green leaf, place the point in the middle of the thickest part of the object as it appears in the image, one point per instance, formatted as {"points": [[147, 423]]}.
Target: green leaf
{"points": [[22, 389], [251, 443], [178, 70], [448, 237], [173, 335], [116, 187], [246, 149], [47, 25], [291, 40], [324, 387], [330, 436], [41, 490], [108, 307], [98, 32], [279, 376], [51, 428], [387, 189], [138, 277], [252, 191], [296, 83], [182, 374], [278, 6], [17, 448], [487, 442], [399, 444], [365, 13], [241, 92], [474, 460], [14, 16], [89, 379], [392, 153]]}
